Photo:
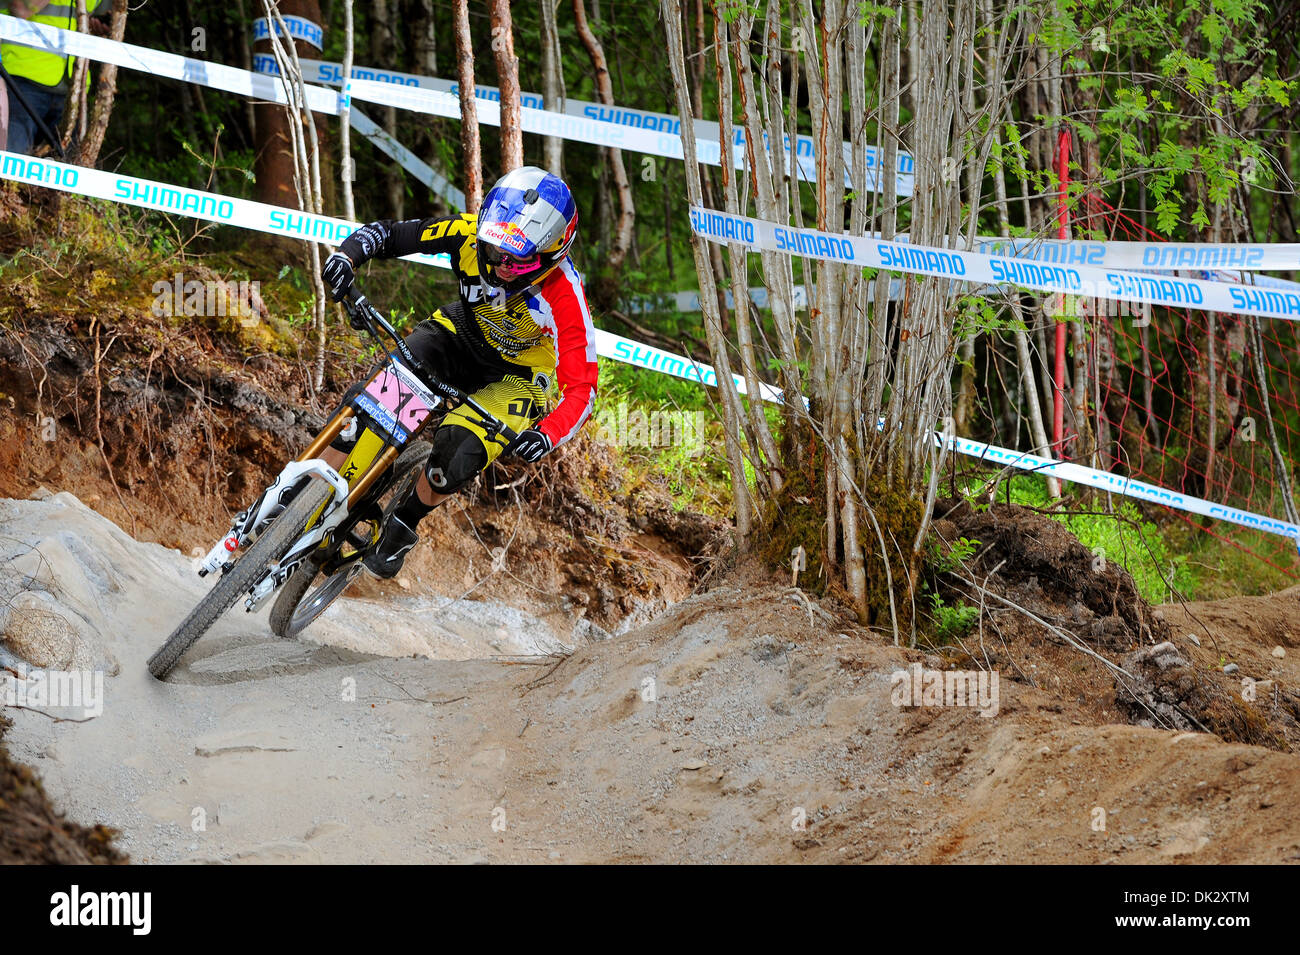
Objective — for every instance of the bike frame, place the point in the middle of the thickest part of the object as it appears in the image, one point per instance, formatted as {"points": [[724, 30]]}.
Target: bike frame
{"points": [[372, 454]]}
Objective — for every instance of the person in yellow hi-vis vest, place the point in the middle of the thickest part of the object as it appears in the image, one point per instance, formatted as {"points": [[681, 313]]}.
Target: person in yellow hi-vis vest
{"points": [[38, 78]]}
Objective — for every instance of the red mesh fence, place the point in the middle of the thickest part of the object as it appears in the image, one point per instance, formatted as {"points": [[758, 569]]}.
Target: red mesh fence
{"points": [[1177, 398]]}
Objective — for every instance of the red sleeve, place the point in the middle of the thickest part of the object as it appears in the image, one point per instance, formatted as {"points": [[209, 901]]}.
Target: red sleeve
{"points": [[561, 299]]}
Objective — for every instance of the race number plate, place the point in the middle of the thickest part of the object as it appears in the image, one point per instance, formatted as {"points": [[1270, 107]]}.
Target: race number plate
{"points": [[397, 401]]}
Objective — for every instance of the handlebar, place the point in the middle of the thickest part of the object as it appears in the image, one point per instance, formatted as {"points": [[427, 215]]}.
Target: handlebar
{"points": [[360, 310]]}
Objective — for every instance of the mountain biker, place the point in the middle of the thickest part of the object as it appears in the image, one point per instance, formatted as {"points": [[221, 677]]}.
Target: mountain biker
{"points": [[521, 320]]}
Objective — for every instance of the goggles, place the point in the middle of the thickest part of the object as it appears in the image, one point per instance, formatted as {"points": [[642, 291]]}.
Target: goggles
{"points": [[510, 266]]}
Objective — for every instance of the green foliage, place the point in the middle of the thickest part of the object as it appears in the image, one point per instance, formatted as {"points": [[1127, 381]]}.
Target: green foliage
{"points": [[952, 622], [958, 552], [695, 469], [980, 314]]}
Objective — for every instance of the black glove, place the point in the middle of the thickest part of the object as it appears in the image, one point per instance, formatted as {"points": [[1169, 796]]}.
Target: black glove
{"points": [[531, 445], [338, 276], [366, 242]]}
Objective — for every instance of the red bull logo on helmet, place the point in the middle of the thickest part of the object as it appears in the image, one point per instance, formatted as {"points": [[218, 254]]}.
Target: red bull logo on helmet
{"points": [[506, 235]]}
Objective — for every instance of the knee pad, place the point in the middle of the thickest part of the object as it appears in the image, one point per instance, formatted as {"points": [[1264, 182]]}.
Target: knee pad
{"points": [[457, 458]]}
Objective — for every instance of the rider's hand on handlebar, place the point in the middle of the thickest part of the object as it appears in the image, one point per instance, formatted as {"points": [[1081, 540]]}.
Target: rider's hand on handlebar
{"points": [[338, 275], [531, 445]]}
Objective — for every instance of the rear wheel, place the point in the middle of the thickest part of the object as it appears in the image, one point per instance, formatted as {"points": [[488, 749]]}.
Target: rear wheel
{"points": [[295, 608], [273, 544]]}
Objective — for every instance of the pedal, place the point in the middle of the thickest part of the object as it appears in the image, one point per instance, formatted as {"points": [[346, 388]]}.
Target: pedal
{"points": [[333, 566]]}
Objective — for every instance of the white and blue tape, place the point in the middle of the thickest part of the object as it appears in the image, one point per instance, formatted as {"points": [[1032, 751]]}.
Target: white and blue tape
{"points": [[300, 28], [1087, 281], [707, 132], [180, 200]]}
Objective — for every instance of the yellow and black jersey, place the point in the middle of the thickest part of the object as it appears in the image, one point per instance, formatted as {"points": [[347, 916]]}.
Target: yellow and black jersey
{"points": [[546, 327]]}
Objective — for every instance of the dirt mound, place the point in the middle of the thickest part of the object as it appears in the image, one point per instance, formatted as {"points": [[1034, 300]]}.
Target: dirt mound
{"points": [[1161, 688], [1037, 562], [752, 724], [33, 832], [1089, 633], [1245, 653]]}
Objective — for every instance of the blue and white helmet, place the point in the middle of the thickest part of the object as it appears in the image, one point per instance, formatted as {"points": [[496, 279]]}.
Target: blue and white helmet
{"points": [[525, 227]]}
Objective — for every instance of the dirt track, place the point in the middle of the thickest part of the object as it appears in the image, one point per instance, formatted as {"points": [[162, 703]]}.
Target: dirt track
{"points": [[763, 711]]}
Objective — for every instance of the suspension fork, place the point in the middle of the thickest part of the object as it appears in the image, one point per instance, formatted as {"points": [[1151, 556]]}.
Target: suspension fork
{"points": [[243, 530], [328, 433], [368, 452]]}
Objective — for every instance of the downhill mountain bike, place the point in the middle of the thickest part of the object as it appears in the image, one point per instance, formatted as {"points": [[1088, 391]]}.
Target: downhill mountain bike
{"points": [[313, 521]]}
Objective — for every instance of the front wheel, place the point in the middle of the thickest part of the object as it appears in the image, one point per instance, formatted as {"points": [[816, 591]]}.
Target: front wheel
{"points": [[273, 544]]}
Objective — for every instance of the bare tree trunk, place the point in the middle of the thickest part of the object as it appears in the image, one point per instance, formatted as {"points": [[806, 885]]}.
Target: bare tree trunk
{"points": [[104, 93], [552, 85], [605, 95], [74, 115], [732, 414], [772, 194], [347, 171], [885, 200], [503, 49], [274, 163], [305, 153], [1024, 359], [471, 152], [697, 61], [382, 51], [766, 463]]}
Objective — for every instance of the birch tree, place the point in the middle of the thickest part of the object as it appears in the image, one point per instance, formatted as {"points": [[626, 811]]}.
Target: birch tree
{"points": [[304, 151], [74, 115], [105, 92], [347, 171], [274, 162], [622, 242], [862, 456]]}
